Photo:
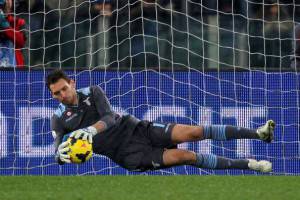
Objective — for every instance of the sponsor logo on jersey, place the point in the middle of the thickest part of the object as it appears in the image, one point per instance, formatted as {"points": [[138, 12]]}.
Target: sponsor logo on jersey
{"points": [[71, 117]]}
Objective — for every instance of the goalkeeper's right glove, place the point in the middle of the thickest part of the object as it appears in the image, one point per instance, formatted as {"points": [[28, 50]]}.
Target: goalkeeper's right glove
{"points": [[85, 133], [3, 22], [63, 148]]}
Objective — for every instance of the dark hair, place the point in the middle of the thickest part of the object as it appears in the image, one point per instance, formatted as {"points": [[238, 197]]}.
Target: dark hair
{"points": [[55, 75]]}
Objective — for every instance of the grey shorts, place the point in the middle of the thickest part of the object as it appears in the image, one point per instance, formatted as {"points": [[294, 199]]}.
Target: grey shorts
{"points": [[145, 149]]}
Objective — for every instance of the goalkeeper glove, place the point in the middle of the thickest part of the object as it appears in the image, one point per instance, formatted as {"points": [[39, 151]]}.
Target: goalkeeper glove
{"points": [[85, 133], [63, 148], [3, 22]]}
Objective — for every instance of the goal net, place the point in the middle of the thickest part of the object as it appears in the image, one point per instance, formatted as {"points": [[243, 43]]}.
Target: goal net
{"points": [[184, 61]]}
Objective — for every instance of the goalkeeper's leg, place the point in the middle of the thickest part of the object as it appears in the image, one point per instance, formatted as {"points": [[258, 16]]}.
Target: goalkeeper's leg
{"points": [[185, 133], [173, 157]]}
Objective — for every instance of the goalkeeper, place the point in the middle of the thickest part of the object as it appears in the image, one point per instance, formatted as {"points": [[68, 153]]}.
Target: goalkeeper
{"points": [[138, 144]]}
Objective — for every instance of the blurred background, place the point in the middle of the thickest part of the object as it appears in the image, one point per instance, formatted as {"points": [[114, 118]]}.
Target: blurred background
{"points": [[160, 34]]}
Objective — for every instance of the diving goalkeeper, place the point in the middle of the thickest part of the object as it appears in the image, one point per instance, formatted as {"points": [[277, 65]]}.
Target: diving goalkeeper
{"points": [[139, 144]]}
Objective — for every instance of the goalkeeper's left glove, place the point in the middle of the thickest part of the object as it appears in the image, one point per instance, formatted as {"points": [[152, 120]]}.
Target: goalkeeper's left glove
{"points": [[85, 133]]}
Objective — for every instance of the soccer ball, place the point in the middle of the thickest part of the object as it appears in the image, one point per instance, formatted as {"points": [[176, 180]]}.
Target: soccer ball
{"points": [[80, 150]]}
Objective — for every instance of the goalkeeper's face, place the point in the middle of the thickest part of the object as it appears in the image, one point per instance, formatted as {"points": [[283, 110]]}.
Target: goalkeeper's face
{"points": [[64, 91]]}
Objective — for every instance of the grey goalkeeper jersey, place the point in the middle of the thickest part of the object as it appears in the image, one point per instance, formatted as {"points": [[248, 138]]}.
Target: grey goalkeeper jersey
{"points": [[93, 106]]}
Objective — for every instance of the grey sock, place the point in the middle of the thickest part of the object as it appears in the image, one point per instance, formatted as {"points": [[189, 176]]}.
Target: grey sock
{"points": [[210, 161], [233, 132]]}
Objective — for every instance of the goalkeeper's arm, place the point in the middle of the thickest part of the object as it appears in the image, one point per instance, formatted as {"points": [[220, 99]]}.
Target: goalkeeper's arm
{"points": [[109, 117], [59, 146], [107, 120], [103, 124]]}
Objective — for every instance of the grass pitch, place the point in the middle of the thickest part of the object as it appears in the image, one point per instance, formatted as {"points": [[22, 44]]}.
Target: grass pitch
{"points": [[149, 187]]}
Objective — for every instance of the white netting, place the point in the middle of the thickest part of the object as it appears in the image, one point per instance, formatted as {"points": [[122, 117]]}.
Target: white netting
{"points": [[183, 61]]}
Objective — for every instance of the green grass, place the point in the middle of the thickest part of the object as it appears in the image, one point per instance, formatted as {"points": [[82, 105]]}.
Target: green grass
{"points": [[149, 187]]}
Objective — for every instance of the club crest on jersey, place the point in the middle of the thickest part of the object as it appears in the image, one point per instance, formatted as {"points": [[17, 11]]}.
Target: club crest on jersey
{"points": [[87, 101], [69, 113]]}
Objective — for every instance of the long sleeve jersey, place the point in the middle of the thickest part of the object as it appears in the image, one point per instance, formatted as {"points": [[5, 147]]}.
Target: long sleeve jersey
{"points": [[93, 106]]}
